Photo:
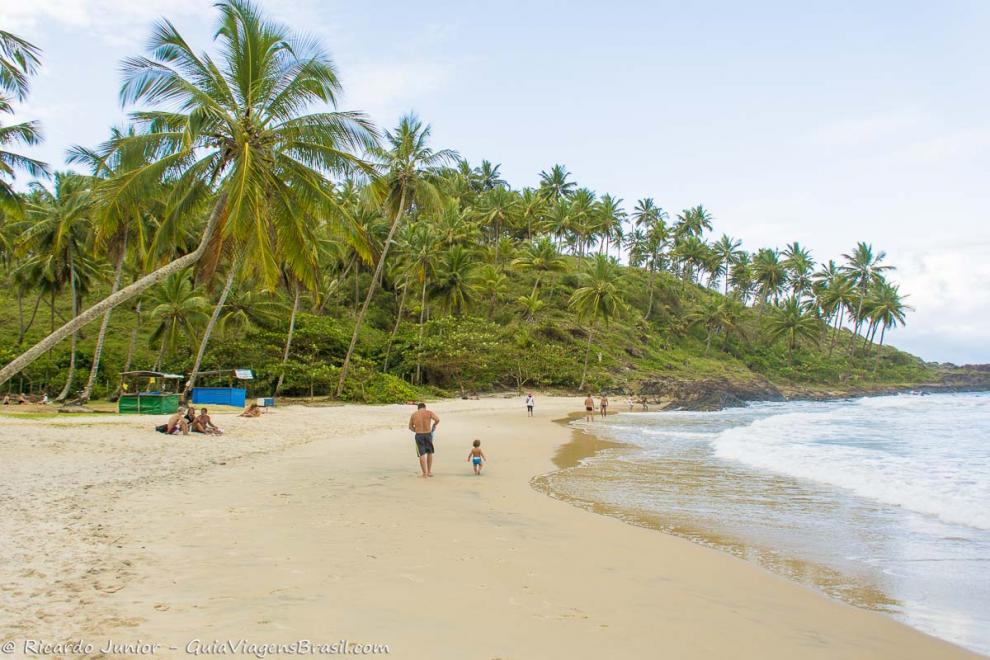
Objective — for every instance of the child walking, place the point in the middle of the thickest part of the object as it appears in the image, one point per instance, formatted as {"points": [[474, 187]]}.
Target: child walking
{"points": [[476, 456]]}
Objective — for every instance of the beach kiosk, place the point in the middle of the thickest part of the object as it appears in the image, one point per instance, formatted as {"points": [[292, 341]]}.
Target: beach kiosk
{"points": [[223, 396], [148, 393]]}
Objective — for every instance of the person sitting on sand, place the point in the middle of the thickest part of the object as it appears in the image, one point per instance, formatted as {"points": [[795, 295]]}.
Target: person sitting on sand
{"points": [[177, 423], [603, 405], [21, 399], [476, 457], [530, 402], [191, 416], [423, 423], [6, 399], [254, 410], [44, 398], [203, 424], [589, 409]]}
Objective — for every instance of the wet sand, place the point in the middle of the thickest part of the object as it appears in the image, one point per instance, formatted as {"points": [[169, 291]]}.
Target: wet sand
{"points": [[311, 523]]}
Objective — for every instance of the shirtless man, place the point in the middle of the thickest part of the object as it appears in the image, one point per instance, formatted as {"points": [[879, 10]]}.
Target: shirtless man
{"points": [[203, 424], [589, 409], [423, 423], [177, 422]]}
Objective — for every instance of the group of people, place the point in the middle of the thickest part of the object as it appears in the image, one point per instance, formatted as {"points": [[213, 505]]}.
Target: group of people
{"points": [[589, 407], [423, 423], [186, 420], [21, 399]]}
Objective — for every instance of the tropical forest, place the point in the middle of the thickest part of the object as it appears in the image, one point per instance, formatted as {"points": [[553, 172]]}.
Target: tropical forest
{"points": [[241, 219]]}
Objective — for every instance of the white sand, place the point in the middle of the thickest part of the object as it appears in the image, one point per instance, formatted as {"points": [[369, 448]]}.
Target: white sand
{"points": [[311, 523]]}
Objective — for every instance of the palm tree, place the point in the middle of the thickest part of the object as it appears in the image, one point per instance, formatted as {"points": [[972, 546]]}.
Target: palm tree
{"points": [[118, 218], [791, 322], [610, 216], [492, 284], [717, 316], [864, 268], [454, 280], [741, 276], [693, 222], [532, 211], [19, 60], [419, 255], [530, 306], [727, 250], [599, 300], [180, 309], [888, 309], [693, 253], [769, 274], [496, 209], [647, 213], [61, 225], [799, 264], [235, 130], [409, 171], [488, 177], [542, 258], [554, 185]]}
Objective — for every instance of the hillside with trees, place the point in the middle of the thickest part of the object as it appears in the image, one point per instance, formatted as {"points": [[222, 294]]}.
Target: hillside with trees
{"points": [[242, 220]]}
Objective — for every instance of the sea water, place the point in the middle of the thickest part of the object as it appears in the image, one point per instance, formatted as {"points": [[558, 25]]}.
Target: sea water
{"points": [[883, 502]]}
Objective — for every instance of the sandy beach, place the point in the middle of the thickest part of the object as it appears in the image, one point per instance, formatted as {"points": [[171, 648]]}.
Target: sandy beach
{"points": [[311, 523]]}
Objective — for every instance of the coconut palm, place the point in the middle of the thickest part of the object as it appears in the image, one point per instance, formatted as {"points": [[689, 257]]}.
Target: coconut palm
{"points": [[887, 309], [555, 186], [647, 213], [727, 250], [540, 257], [409, 172], [799, 264], [741, 276], [454, 281], [180, 310], [864, 268], [119, 220], [236, 129], [19, 60], [791, 322], [532, 212], [530, 306], [492, 284], [61, 222], [497, 208], [610, 217], [716, 316], [692, 253], [769, 274], [598, 301], [693, 222]]}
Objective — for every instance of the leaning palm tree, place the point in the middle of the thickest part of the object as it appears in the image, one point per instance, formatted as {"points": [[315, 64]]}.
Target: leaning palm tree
{"points": [[235, 129], [409, 171], [599, 300]]}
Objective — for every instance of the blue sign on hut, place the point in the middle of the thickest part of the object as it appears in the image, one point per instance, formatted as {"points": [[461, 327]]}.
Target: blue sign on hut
{"points": [[148, 393], [219, 395]]}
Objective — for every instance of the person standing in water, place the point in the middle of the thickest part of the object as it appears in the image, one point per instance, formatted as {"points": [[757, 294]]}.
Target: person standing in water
{"points": [[589, 409], [423, 423], [530, 402], [603, 403]]}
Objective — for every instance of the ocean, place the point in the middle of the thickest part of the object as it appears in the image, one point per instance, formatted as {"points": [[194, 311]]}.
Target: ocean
{"points": [[882, 502]]}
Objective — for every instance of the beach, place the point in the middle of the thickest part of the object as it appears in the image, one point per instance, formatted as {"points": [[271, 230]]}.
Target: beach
{"points": [[311, 523]]}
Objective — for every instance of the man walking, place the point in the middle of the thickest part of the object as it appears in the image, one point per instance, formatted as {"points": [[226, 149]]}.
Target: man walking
{"points": [[423, 423]]}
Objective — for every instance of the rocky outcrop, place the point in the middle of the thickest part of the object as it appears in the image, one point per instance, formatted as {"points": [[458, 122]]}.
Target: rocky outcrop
{"points": [[703, 394]]}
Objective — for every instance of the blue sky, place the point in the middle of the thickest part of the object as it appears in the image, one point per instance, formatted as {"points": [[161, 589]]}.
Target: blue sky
{"points": [[825, 123]]}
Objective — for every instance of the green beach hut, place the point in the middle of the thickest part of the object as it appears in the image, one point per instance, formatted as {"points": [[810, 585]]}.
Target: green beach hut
{"points": [[148, 393]]}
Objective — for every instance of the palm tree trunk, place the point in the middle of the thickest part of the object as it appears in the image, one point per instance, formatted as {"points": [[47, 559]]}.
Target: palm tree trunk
{"points": [[395, 328], [34, 313], [653, 283], [161, 354], [130, 347], [72, 350], [859, 322], [587, 354], [876, 367], [122, 296], [98, 351], [536, 285], [422, 323], [20, 316], [835, 330], [209, 330], [375, 279], [288, 341]]}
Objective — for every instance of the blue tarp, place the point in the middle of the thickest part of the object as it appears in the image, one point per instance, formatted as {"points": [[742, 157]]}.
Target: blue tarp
{"points": [[222, 396]]}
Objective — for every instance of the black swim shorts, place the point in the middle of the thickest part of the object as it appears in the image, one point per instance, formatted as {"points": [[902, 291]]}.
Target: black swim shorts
{"points": [[424, 443]]}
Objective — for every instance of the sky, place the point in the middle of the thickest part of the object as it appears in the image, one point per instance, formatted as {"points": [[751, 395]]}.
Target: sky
{"points": [[824, 123]]}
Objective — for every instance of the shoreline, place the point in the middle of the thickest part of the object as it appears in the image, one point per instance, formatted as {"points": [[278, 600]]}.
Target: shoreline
{"points": [[311, 523]]}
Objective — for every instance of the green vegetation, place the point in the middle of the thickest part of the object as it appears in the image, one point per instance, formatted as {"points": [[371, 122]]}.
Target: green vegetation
{"points": [[242, 221]]}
